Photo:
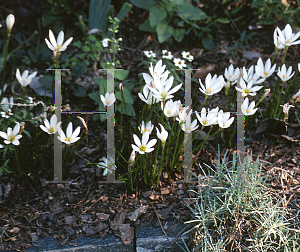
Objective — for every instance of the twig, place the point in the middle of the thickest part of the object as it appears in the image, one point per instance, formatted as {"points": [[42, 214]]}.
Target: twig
{"points": [[158, 219]]}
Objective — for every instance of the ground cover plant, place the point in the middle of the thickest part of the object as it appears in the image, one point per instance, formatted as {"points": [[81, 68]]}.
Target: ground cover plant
{"points": [[152, 117]]}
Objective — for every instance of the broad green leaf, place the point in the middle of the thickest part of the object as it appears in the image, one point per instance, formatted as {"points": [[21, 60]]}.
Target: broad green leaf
{"points": [[179, 34], [79, 91], [147, 27], [164, 31], [189, 12], [156, 15], [102, 84], [208, 44], [143, 4], [121, 74], [127, 96]]}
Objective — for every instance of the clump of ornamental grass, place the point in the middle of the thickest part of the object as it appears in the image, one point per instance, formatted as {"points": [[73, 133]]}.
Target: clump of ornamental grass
{"points": [[236, 211]]}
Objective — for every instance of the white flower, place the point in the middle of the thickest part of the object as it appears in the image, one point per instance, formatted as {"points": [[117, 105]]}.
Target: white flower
{"points": [[148, 96], [57, 46], [287, 37], [250, 76], [157, 73], [187, 55], [286, 107], [163, 135], [171, 108], [166, 54], [132, 158], [223, 119], [52, 127], [210, 118], [149, 54], [24, 80], [108, 165], [120, 39], [248, 90], [264, 71], [143, 147], [10, 20], [105, 42], [12, 135], [109, 99], [278, 44], [212, 85], [30, 99], [163, 92], [182, 115], [285, 75], [71, 137], [188, 127], [179, 63], [299, 67], [248, 109], [231, 74], [149, 127], [6, 113]]}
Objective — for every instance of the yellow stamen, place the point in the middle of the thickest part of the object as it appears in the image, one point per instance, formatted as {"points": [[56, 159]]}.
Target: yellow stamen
{"points": [[11, 138], [68, 139], [142, 148]]}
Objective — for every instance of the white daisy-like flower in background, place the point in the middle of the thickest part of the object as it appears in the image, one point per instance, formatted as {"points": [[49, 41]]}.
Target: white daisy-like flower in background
{"points": [[108, 99], [52, 127], [248, 109], [25, 79], [12, 137], [284, 74], [179, 63], [150, 54], [108, 165], [166, 54], [70, 137], [105, 42], [144, 146], [148, 128], [187, 55]]}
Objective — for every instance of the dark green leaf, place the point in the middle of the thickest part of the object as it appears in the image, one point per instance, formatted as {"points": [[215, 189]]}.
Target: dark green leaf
{"points": [[164, 31], [179, 34], [143, 4], [78, 70], [208, 44], [156, 15]]}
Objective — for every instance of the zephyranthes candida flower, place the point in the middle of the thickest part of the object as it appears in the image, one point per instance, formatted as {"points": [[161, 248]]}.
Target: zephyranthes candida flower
{"points": [[287, 37], [108, 99], [52, 127], [10, 20], [264, 71], [108, 165], [149, 127], [212, 85], [210, 118], [284, 74], [189, 126], [25, 79], [223, 119], [163, 135], [57, 46], [12, 135], [71, 136], [248, 109], [248, 90], [144, 146]]}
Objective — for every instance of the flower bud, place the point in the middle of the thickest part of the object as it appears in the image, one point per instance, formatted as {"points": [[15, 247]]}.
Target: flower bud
{"points": [[10, 20], [132, 158]]}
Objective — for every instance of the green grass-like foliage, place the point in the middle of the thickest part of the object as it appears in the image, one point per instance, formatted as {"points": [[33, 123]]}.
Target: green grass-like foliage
{"points": [[238, 213]]}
